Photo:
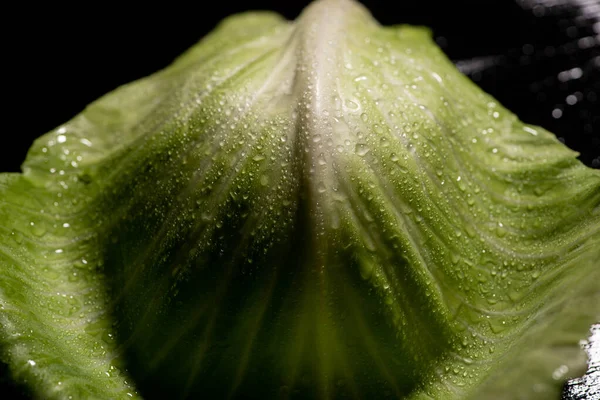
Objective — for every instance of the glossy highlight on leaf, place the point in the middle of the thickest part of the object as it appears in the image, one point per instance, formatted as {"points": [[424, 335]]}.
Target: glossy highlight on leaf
{"points": [[323, 209]]}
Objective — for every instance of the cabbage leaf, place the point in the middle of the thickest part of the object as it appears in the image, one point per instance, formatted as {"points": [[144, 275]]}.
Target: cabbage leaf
{"points": [[323, 208]]}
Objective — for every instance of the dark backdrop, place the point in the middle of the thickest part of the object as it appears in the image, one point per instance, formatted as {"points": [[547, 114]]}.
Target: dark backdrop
{"points": [[540, 58]]}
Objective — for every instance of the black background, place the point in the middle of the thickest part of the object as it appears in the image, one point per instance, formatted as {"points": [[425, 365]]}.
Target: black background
{"points": [[59, 58]]}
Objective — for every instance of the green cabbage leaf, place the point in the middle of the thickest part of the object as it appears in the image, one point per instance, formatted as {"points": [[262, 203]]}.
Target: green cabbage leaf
{"points": [[324, 208]]}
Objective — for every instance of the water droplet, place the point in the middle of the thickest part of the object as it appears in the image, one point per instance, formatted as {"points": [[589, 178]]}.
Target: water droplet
{"points": [[361, 149], [497, 326], [17, 236], [321, 160], [352, 105], [366, 269], [108, 338], [37, 229], [500, 230], [514, 296]]}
